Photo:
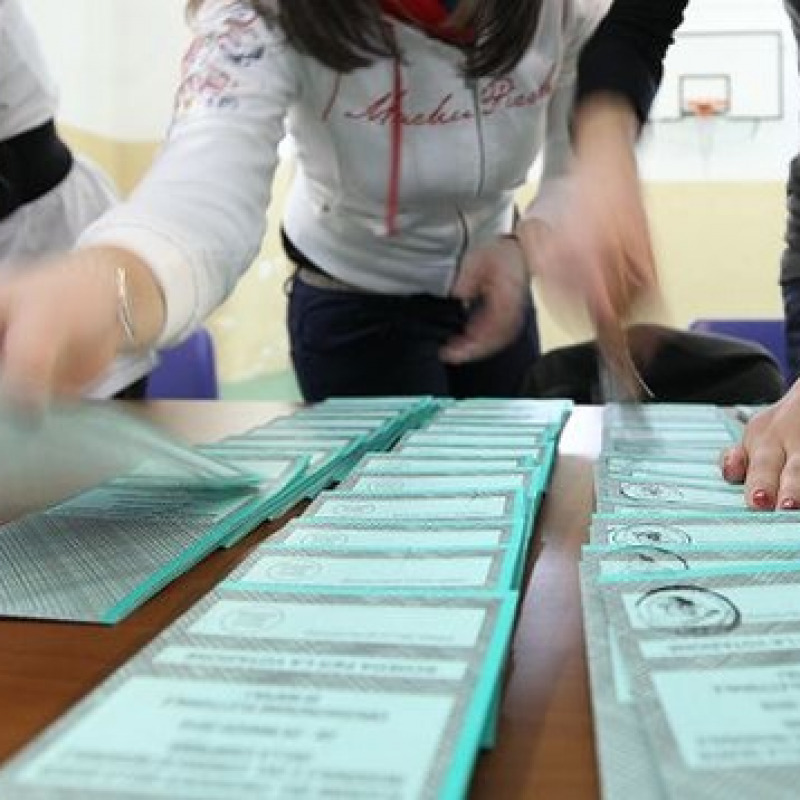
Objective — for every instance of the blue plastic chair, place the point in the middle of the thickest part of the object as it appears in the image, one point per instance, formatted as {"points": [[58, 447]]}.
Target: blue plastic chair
{"points": [[769, 333], [186, 371]]}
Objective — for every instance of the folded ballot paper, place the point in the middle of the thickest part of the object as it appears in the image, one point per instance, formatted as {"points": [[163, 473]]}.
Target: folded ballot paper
{"points": [[74, 446], [692, 619], [105, 510]]}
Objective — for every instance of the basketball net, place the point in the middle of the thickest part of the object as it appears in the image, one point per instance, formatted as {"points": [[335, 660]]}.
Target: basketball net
{"points": [[706, 111]]}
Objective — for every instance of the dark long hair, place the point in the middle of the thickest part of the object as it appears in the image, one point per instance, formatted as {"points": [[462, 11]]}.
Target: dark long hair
{"points": [[348, 34]]}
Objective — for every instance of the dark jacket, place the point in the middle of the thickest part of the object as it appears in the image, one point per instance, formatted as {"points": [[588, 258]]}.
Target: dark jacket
{"points": [[626, 53]]}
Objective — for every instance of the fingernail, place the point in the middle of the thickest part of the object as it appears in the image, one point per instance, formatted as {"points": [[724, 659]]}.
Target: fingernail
{"points": [[790, 504], [762, 499]]}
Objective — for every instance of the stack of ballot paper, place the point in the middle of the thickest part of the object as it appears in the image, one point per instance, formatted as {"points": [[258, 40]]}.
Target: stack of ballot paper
{"points": [[692, 617], [357, 653], [154, 507]]}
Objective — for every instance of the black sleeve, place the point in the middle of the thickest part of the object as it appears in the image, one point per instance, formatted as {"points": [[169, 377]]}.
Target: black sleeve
{"points": [[626, 53]]}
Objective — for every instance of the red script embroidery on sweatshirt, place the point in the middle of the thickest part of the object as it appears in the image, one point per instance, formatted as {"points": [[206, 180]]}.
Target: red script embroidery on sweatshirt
{"points": [[498, 95]]}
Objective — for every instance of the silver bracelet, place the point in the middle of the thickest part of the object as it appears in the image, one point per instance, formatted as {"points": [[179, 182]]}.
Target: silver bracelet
{"points": [[124, 309]]}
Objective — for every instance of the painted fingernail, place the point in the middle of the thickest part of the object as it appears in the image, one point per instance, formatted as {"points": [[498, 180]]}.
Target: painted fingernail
{"points": [[789, 504], [762, 499]]}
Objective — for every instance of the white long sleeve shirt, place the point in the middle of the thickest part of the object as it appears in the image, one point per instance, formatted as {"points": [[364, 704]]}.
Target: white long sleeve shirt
{"points": [[53, 222], [402, 167]]}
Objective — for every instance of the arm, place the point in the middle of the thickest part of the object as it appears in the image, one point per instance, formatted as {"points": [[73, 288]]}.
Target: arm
{"points": [[600, 250], [625, 55], [189, 230], [198, 217]]}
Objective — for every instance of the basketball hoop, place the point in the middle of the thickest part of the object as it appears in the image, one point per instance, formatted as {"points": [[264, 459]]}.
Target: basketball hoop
{"points": [[705, 107]]}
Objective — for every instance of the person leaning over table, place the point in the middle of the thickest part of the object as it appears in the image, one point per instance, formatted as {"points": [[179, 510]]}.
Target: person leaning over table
{"points": [[48, 196], [637, 32], [414, 126], [767, 461]]}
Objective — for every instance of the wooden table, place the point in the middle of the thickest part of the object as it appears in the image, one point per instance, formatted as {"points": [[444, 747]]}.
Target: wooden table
{"points": [[545, 745]]}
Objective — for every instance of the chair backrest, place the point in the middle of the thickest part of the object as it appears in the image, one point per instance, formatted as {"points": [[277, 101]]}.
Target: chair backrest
{"points": [[769, 333], [186, 371]]}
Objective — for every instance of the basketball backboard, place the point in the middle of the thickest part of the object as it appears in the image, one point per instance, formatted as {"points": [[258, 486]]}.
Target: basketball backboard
{"points": [[740, 72]]}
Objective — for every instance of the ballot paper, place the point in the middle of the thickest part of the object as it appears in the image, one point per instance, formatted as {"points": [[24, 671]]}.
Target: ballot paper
{"points": [[543, 454], [477, 438], [400, 569], [310, 532], [348, 506], [71, 447], [283, 695], [753, 529], [549, 409], [98, 567], [712, 662], [441, 484], [400, 464], [623, 467], [629, 765], [666, 496]]}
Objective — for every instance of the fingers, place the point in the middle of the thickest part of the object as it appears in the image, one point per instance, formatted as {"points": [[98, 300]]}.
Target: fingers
{"points": [[489, 330], [734, 464], [497, 278], [765, 465], [788, 498]]}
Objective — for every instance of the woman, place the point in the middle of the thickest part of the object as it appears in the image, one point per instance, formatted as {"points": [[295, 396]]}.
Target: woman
{"points": [[47, 195], [414, 124]]}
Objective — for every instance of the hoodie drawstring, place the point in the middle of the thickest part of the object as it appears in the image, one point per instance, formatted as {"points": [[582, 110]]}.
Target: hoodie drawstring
{"points": [[396, 149]]}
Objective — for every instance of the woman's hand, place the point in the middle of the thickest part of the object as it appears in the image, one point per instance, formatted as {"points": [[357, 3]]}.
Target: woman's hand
{"points": [[496, 278], [598, 254], [60, 323], [767, 460]]}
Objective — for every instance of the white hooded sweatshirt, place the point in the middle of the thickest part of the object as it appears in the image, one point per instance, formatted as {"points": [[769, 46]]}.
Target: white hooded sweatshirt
{"points": [[402, 166]]}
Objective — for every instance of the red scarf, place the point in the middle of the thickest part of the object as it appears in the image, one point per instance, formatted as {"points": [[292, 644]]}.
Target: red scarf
{"points": [[432, 16]]}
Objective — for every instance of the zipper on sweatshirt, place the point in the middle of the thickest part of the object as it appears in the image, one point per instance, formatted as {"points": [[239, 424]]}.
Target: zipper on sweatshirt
{"points": [[464, 226], [480, 136]]}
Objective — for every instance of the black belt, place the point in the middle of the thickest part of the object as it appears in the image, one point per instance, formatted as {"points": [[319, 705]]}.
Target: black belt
{"points": [[31, 164]]}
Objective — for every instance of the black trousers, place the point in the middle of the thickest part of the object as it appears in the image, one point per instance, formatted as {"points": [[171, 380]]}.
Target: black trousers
{"points": [[354, 343]]}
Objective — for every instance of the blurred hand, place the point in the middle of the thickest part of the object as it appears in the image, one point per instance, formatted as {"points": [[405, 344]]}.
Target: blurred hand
{"points": [[767, 460], [497, 278], [599, 253], [59, 322]]}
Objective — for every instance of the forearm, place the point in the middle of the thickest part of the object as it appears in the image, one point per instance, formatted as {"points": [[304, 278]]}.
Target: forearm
{"points": [[603, 121]]}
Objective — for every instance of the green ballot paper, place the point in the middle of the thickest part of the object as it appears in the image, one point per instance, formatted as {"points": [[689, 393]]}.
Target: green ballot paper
{"points": [[73, 447], [283, 695], [714, 678]]}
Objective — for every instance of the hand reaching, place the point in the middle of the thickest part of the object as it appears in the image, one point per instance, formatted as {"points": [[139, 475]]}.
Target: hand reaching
{"points": [[496, 276], [598, 253], [60, 324]]}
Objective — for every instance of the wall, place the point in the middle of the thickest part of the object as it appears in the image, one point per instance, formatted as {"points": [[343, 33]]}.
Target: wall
{"points": [[718, 242]]}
